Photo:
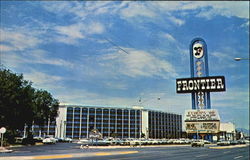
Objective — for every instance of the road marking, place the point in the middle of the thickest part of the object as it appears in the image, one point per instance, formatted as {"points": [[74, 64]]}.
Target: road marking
{"points": [[238, 157], [102, 154], [203, 155], [138, 157], [53, 156], [128, 152], [15, 158], [114, 153]]}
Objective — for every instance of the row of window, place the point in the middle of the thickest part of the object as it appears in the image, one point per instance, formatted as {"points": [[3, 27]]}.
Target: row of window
{"points": [[111, 123], [70, 109], [118, 119], [131, 128], [104, 114]]}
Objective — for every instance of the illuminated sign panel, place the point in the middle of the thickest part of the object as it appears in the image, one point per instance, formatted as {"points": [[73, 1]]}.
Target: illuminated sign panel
{"points": [[201, 115], [202, 121], [200, 84], [203, 127]]}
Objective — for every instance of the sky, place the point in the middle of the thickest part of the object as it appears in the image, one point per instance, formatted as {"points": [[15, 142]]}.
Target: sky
{"points": [[114, 53]]}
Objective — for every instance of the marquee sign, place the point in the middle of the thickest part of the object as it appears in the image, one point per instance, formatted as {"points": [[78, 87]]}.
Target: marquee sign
{"points": [[201, 115], [203, 127], [202, 121], [200, 84]]}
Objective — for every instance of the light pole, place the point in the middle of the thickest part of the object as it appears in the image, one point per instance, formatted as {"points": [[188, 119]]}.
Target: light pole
{"points": [[141, 105], [238, 59], [141, 102]]}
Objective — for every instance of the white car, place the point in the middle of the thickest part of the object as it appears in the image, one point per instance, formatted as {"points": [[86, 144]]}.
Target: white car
{"points": [[68, 140], [49, 140], [197, 143], [84, 141]]}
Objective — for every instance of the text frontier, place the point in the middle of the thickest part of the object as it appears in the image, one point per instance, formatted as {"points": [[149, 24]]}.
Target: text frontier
{"points": [[204, 84]]}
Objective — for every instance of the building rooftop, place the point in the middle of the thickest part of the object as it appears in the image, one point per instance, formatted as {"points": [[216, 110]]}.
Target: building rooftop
{"points": [[115, 107]]}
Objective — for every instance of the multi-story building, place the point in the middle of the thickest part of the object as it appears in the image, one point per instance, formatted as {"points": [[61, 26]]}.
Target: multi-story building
{"points": [[76, 122]]}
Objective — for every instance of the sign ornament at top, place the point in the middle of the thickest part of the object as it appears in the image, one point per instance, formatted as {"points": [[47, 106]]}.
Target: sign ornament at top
{"points": [[198, 50]]}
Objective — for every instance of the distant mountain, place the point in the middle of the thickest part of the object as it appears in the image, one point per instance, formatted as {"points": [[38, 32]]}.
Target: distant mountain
{"points": [[245, 131]]}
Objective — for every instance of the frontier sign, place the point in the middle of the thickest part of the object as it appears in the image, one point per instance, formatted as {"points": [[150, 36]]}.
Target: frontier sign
{"points": [[200, 84]]}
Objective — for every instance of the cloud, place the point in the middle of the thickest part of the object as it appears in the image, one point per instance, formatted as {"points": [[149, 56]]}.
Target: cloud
{"points": [[13, 59], [137, 9], [169, 37], [238, 9], [84, 97], [176, 21], [235, 97], [18, 39], [43, 80], [72, 33], [222, 56], [138, 63], [208, 9], [95, 28], [4, 48], [116, 85], [146, 11]]}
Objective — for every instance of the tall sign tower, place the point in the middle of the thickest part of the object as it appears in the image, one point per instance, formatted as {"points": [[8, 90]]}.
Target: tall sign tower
{"points": [[199, 68], [201, 120]]}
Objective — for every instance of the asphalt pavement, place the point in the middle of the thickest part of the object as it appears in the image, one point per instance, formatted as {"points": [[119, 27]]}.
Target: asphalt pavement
{"points": [[175, 152]]}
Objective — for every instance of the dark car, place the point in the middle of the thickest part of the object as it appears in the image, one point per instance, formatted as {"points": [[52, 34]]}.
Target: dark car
{"points": [[223, 143], [234, 142]]}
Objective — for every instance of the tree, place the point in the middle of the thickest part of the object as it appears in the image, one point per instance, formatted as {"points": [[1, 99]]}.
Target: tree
{"points": [[21, 104], [16, 100], [46, 107]]}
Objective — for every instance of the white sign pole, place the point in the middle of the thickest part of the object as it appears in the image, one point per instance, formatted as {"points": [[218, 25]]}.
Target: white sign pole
{"points": [[2, 131], [1, 140]]}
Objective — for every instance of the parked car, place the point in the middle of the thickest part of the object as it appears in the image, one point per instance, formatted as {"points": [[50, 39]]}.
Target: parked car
{"points": [[49, 140], [233, 142], [243, 141], [197, 143], [207, 142], [104, 142], [223, 143], [84, 141], [38, 139], [19, 140], [246, 141], [69, 140]]}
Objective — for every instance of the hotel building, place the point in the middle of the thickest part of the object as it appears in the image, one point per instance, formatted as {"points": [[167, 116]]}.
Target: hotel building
{"points": [[76, 122]]}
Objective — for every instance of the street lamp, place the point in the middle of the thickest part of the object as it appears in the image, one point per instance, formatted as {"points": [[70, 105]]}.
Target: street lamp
{"points": [[141, 104], [140, 100], [238, 59]]}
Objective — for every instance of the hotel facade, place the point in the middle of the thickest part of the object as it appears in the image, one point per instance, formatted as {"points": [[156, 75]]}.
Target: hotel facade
{"points": [[76, 122]]}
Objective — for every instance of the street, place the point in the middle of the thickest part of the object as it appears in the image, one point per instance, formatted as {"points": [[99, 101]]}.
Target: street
{"points": [[175, 152]]}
